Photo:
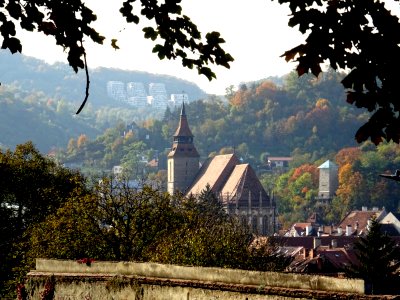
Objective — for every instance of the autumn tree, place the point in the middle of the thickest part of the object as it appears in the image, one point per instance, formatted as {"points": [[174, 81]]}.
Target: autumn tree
{"points": [[296, 191], [81, 141], [350, 191]]}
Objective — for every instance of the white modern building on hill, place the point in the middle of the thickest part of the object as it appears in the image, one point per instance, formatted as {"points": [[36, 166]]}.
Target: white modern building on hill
{"points": [[136, 95]]}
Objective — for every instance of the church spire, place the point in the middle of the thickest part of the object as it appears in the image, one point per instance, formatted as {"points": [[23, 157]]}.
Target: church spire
{"points": [[183, 132], [183, 159], [183, 112]]}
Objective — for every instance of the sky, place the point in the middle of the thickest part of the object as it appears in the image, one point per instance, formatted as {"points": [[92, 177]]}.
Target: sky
{"points": [[256, 35]]}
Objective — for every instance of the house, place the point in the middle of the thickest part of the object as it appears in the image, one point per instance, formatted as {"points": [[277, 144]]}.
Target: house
{"points": [[323, 255], [300, 229], [357, 221], [234, 183], [279, 161]]}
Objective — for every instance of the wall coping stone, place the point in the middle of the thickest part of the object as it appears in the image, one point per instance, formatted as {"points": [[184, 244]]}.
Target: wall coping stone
{"points": [[202, 274]]}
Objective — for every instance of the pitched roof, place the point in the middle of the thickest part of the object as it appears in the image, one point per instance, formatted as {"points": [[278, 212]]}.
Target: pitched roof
{"points": [[243, 187], [308, 241], [279, 158], [358, 219], [214, 172], [235, 183], [183, 126], [328, 165]]}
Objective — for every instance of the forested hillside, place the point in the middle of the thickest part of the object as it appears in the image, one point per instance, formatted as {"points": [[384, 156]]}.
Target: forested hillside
{"points": [[60, 82], [306, 118]]}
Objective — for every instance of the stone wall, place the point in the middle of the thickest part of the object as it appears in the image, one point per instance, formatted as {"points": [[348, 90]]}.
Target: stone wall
{"points": [[129, 280]]}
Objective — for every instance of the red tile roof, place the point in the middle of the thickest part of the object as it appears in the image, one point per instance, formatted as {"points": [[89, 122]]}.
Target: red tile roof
{"points": [[359, 220], [214, 173], [235, 183]]}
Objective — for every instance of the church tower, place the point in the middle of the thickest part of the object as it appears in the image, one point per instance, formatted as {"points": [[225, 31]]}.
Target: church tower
{"points": [[183, 159]]}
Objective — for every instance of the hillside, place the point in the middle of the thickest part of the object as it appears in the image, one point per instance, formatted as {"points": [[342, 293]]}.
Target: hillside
{"points": [[304, 118], [60, 82], [32, 116]]}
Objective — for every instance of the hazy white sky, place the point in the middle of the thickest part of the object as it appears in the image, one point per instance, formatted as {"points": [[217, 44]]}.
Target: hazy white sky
{"points": [[256, 34]]}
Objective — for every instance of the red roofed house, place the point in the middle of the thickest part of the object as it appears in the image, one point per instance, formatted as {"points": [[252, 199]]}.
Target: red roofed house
{"points": [[357, 221], [235, 184]]}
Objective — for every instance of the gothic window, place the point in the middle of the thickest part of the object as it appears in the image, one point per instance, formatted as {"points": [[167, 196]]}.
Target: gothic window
{"points": [[264, 225], [254, 224], [243, 219]]}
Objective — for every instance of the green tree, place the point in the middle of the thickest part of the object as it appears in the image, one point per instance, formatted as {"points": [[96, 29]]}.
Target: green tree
{"points": [[31, 188], [378, 261], [131, 161], [33, 185], [345, 34], [207, 236]]}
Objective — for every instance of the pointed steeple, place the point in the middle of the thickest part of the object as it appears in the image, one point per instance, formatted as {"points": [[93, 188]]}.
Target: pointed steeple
{"points": [[183, 159], [183, 131], [183, 112]]}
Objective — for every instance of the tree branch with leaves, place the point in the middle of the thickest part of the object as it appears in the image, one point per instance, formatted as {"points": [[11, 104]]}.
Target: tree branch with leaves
{"points": [[360, 36]]}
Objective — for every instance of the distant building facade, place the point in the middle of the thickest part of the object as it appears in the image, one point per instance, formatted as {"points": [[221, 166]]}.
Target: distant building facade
{"points": [[178, 99], [136, 95], [158, 95], [116, 90]]}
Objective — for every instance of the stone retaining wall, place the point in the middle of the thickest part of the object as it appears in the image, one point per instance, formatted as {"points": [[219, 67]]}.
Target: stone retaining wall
{"points": [[130, 280]]}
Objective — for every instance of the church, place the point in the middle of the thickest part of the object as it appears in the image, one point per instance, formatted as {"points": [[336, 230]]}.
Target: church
{"points": [[235, 184]]}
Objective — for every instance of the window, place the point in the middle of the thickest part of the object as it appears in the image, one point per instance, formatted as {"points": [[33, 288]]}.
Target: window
{"points": [[254, 224], [243, 219], [264, 225]]}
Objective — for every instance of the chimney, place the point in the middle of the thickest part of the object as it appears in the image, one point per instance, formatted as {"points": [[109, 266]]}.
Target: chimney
{"points": [[364, 208], [375, 208], [317, 242], [308, 230], [340, 230], [348, 230], [334, 243], [369, 223]]}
